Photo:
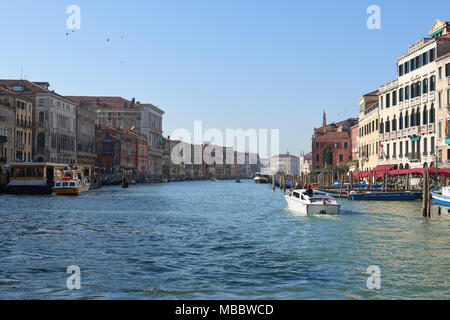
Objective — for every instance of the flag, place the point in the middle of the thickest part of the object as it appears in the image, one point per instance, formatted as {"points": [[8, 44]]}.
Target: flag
{"points": [[382, 151]]}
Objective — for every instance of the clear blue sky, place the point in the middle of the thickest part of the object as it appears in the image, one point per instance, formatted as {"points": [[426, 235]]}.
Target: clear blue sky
{"points": [[233, 64]]}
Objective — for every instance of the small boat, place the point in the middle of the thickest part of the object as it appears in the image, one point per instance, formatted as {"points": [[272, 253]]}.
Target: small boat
{"points": [[387, 195], [72, 182], [313, 202], [441, 197], [260, 179]]}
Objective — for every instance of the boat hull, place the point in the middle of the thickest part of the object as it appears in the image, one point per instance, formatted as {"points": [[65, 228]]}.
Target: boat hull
{"points": [[440, 199], [32, 190], [387, 196], [70, 191], [305, 209]]}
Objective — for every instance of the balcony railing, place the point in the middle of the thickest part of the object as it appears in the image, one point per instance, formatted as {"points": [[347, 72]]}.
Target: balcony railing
{"points": [[431, 96], [20, 146], [393, 135], [413, 131], [431, 128], [414, 156]]}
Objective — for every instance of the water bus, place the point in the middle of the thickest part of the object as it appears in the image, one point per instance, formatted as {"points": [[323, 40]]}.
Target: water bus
{"points": [[33, 177]]}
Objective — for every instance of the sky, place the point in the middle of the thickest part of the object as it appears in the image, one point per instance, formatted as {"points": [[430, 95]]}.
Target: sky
{"points": [[230, 64]]}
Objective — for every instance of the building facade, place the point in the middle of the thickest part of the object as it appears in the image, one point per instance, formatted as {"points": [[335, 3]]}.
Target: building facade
{"points": [[86, 151], [408, 124], [23, 140], [332, 144], [7, 134], [368, 132], [290, 164], [443, 109], [54, 121], [151, 127]]}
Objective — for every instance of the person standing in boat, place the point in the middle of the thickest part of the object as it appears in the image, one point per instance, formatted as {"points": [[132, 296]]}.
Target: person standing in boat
{"points": [[309, 191]]}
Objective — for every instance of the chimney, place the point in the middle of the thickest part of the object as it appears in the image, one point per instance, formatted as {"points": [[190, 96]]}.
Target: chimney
{"points": [[133, 101]]}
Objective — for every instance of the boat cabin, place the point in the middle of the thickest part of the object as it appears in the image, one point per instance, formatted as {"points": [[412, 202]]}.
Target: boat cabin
{"points": [[33, 177]]}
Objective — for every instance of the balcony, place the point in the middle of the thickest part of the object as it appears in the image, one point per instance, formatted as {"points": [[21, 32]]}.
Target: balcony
{"points": [[413, 131], [415, 101], [20, 146], [431, 128], [424, 98], [386, 136], [393, 135], [400, 105], [431, 96], [423, 129], [414, 156], [381, 137]]}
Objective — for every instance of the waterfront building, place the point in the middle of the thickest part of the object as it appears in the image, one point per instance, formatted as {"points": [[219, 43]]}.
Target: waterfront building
{"points": [[408, 123], [24, 125], [121, 150], [332, 144], [118, 112], [305, 163], [7, 134], [289, 162], [443, 109], [54, 121], [354, 133], [368, 132], [86, 153]]}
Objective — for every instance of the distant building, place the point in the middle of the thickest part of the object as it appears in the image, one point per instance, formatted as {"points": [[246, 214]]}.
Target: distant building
{"points": [[306, 163], [354, 133], [290, 164], [443, 108], [86, 150], [332, 144], [120, 113]]}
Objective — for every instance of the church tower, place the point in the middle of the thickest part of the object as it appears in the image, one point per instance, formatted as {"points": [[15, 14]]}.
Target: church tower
{"points": [[324, 122]]}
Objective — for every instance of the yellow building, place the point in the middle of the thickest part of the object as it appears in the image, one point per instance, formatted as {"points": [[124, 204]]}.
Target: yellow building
{"points": [[24, 124], [368, 131]]}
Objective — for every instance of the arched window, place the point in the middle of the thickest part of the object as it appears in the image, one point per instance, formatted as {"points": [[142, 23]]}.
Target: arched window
{"points": [[413, 90], [432, 114], [400, 94], [425, 86], [388, 125], [394, 124], [432, 83], [413, 118], [41, 140], [406, 92], [418, 89], [425, 115], [406, 120], [400, 121], [418, 117], [41, 116], [381, 126]]}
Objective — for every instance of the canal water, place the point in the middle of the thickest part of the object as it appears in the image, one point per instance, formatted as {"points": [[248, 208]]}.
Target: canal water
{"points": [[216, 240]]}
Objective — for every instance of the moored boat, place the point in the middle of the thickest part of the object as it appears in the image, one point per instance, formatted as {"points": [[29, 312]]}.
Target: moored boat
{"points": [[385, 195], [33, 177], [441, 197], [309, 202], [260, 179], [72, 182]]}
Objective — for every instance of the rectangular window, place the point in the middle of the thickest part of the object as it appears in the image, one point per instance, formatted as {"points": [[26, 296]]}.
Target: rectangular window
{"points": [[388, 100], [394, 151], [412, 64], [406, 68], [406, 148], [432, 55], [440, 100], [418, 62], [317, 158], [341, 158], [424, 58], [317, 145], [345, 145], [432, 146], [381, 102], [440, 129], [447, 70], [394, 98], [440, 73], [400, 70], [400, 146]]}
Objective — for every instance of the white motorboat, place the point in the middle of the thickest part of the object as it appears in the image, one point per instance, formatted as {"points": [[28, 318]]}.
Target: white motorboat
{"points": [[313, 202]]}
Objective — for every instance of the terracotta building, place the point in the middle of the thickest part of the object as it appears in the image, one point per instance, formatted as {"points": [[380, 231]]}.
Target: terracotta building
{"points": [[332, 144]]}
